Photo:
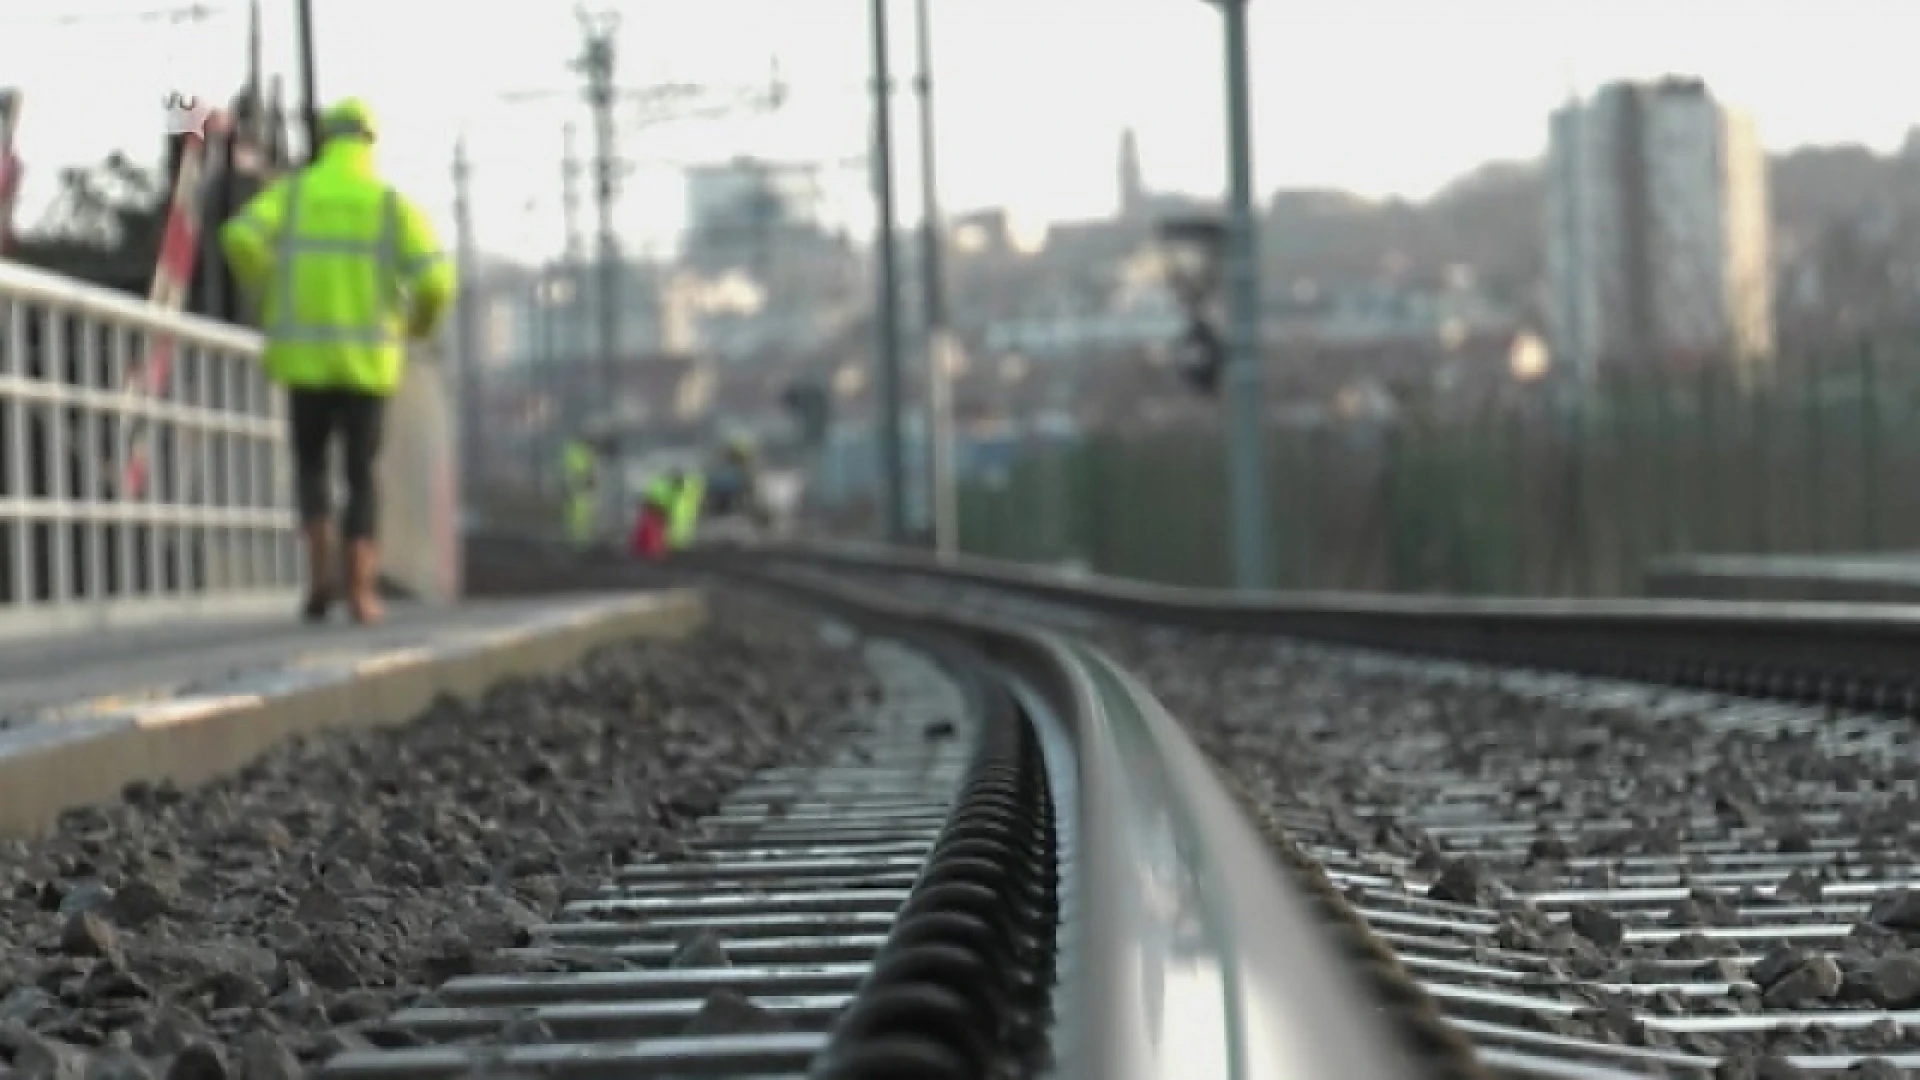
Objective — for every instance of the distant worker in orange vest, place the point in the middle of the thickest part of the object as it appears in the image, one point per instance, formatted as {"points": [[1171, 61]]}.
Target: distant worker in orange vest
{"points": [[656, 512]]}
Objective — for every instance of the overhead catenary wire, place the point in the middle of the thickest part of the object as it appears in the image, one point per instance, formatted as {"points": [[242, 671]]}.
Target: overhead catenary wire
{"points": [[188, 13]]}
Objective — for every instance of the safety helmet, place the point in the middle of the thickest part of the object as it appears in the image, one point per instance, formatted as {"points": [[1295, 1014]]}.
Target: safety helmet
{"points": [[349, 119]]}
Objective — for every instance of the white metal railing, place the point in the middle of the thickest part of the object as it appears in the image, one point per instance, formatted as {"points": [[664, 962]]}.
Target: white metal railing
{"points": [[212, 533]]}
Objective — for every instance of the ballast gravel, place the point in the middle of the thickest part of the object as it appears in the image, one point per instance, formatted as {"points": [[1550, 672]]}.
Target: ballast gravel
{"points": [[1469, 792], [252, 927]]}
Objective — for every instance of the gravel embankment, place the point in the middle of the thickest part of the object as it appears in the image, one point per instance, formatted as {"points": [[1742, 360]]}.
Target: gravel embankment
{"points": [[251, 927], [1755, 820], [1377, 758]]}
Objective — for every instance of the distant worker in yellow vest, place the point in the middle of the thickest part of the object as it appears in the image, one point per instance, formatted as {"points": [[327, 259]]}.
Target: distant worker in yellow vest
{"points": [[684, 517], [581, 473], [341, 268]]}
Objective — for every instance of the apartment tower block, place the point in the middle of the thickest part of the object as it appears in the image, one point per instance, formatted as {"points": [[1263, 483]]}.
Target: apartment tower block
{"points": [[1658, 234]]}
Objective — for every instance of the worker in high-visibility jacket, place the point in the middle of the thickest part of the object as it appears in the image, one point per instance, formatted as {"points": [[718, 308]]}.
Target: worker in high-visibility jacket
{"points": [[684, 518], [341, 269], [657, 498], [580, 471]]}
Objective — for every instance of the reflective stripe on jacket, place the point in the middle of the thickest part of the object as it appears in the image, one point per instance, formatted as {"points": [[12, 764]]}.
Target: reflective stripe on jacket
{"points": [[341, 267]]}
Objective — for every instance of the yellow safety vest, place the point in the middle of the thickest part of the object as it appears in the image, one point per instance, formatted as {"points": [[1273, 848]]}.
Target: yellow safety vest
{"points": [[684, 516], [577, 463], [342, 267], [659, 493]]}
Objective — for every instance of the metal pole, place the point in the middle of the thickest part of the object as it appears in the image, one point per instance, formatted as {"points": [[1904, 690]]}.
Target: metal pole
{"points": [[570, 191], [600, 96], [942, 506], [310, 97], [467, 366], [564, 382], [1246, 389], [539, 375], [887, 317]]}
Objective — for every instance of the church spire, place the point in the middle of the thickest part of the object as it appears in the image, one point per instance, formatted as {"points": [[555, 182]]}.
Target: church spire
{"points": [[1133, 190]]}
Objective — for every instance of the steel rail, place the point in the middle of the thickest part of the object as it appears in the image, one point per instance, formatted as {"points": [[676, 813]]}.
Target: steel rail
{"points": [[1187, 952], [1840, 655]]}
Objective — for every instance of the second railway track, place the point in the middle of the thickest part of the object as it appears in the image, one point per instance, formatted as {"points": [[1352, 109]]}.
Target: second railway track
{"points": [[738, 956]]}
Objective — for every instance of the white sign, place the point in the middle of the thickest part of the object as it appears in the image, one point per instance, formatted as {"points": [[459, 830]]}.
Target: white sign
{"points": [[187, 115]]}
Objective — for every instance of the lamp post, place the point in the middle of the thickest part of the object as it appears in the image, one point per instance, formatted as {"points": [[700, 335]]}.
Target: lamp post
{"points": [[1246, 390], [887, 303], [942, 504], [470, 434]]}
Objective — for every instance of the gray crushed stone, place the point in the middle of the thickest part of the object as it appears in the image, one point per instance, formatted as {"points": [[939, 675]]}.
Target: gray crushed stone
{"points": [[250, 928]]}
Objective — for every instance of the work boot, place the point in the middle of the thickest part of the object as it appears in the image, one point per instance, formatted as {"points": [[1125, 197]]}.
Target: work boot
{"points": [[322, 570], [363, 596]]}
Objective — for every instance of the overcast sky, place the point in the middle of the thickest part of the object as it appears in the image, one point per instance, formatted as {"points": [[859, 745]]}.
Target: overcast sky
{"points": [[1373, 95]]}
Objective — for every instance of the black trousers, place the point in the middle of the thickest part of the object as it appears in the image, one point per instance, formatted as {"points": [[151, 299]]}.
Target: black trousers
{"points": [[354, 418]]}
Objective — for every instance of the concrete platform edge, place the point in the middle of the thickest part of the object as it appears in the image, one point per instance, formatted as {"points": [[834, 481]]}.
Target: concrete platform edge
{"points": [[50, 768]]}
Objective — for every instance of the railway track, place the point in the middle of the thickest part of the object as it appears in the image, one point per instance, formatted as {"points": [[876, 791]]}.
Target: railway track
{"points": [[1011, 866], [1571, 915], [735, 958]]}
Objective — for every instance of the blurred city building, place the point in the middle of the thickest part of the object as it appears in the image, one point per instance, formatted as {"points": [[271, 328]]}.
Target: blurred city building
{"points": [[1658, 243]]}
